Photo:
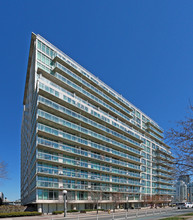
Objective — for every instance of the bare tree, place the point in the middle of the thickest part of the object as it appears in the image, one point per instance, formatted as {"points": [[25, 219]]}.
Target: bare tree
{"points": [[96, 197], [3, 170], [155, 200], [116, 199], [181, 140]]}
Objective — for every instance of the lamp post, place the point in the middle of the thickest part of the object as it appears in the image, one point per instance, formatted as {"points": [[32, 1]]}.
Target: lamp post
{"points": [[64, 195], [127, 202]]}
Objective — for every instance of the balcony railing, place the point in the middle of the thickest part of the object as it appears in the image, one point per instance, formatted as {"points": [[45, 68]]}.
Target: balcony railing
{"points": [[85, 83], [84, 153], [86, 142], [121, 125], [155, 130], [48, 184], [88, 121], [86, 176], [84, 164], [84, 130]]}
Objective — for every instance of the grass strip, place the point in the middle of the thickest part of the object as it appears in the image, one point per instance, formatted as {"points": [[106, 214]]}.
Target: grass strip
{"points": [[174, 218]]}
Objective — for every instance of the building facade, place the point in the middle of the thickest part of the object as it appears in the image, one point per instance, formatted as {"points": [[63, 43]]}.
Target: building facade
{"points": [[80, 135], [184, 178], [181, 194], [1, 198], [190, 192]]}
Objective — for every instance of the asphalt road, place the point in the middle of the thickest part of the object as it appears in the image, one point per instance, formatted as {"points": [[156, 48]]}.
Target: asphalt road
{"points": [[151, 214], [148, 214]]}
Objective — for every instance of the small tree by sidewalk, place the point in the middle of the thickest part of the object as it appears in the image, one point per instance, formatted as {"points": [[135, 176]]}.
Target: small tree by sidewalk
{"points": [[116, 200], [95, 197]]}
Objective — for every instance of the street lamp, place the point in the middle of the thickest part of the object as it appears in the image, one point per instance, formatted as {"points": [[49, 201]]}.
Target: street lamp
{"points": [[64, 195], [127, 202]]}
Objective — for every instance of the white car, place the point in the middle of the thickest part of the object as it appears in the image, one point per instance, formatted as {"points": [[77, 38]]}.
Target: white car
{"points": [[185, 205]]}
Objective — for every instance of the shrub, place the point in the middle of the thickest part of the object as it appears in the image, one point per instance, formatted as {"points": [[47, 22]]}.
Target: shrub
{"points": [[60, 212], [82, 211], [90, 210], [57, 212], [69, 211], [18, 214]]}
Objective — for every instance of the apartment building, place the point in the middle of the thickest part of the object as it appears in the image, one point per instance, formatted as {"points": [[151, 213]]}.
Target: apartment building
{"points": [[181, 193], [80, 135]]}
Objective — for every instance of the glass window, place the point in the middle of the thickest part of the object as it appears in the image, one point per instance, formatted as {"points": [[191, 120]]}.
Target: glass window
{"points": [[39, 56], [43, 48], [39, 44], [105, 196], [40, 194], [51, 195], [82, 195], [55, 194], [47, 50], [45, 194]]}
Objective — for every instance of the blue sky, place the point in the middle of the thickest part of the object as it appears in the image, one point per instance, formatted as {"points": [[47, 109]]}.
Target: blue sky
{"points": [[142, 49]]}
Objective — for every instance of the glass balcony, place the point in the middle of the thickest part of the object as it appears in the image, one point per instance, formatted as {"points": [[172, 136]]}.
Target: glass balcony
{"points": [[163, 157], [84, 164], [163, 163], [76, 151], [164, 181], [84, 130], [83, 71], [47, 184], [102, 115], [86, 187], [88, 85], [71, 63], [162, 192], [163, 169], [85, 142], [165, 187], [156, 132], [164, 175], [86, 176], [164, 152], [152, 124], [88, 121], [47, 170], [92, 97], [155, 136]]}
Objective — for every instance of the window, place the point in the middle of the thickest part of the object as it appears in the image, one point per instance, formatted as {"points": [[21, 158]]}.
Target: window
{"points": [[105, 196], [82, 195], [70, 195], [44, 194]]}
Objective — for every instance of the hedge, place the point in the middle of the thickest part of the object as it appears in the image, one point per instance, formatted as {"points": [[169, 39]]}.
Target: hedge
{"points": [[90, 210], [18, 214], [57, 212], [69, 211], [60, 212]]}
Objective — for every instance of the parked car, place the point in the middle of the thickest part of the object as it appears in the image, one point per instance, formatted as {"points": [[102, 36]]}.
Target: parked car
{"points": [[185, 205]]}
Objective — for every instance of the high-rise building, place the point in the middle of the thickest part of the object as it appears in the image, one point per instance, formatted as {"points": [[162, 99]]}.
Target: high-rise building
{"points": [[80, 135], [184, 178], [181, 192], [1, 198], [190, 192]]}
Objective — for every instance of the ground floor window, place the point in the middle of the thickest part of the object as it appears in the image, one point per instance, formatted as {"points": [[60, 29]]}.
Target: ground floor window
{"points": [[44, 194], [105, 196], [70, 195], [82, 195]]}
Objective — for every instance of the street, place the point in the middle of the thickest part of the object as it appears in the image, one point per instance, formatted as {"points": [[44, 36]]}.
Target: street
{"points": [[139, 214], [148, 214]]}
